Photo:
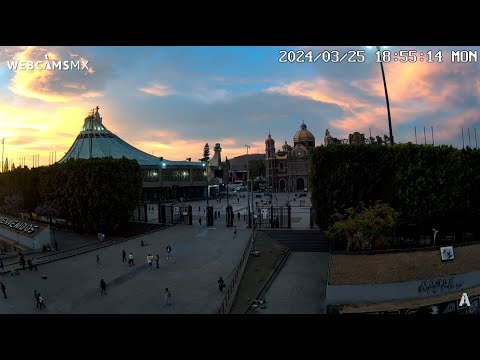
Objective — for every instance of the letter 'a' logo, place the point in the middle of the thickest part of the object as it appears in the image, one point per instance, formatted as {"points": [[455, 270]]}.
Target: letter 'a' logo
{"points": [[464, 300]]}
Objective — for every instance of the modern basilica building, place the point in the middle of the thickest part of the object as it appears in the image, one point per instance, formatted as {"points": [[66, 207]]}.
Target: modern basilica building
{"points": [[163, 179]]}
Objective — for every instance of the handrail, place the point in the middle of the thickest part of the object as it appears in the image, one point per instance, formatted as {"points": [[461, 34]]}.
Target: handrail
{"points": [[71, 252], [233, 287]]}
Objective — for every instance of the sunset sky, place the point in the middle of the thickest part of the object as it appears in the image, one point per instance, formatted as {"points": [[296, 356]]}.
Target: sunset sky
{"points": [[170, 101]]}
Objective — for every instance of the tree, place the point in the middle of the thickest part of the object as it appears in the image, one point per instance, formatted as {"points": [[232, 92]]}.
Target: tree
{"points": [[257, 168], [13, 204], [365, 228], [206, 153], [96, 194]]}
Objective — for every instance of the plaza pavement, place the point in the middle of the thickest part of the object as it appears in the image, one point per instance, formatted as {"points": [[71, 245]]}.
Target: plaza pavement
{"points": [[300, 286], [199, 256]]}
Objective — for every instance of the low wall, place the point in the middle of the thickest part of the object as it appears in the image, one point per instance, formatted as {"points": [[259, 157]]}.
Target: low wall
{"points": [[401, 291], [28, 234]]}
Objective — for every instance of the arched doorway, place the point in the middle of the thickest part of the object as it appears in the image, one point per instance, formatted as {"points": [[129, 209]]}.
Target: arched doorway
{"points": [[281, 184], [300, 184]]}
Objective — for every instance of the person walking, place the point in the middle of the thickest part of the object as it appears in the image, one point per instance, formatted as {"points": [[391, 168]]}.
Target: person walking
{"points": [[244, 217], [130, 260], [169, 250], [238, 215], [157, 259], [103, 286], [2, 286], [235, 232], [124, 256], [221, 284], [98, 261], [168, 296], [41, 302], [22, 261], [149, 261]]}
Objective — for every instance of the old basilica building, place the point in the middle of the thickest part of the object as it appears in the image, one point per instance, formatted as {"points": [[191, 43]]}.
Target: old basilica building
{"points": [[287, 169]]}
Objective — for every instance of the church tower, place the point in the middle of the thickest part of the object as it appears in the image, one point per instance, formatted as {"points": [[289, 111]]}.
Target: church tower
{"points": [[270, 160]]}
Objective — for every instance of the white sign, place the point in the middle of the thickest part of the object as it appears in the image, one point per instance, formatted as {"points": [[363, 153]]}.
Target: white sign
{"points": [[464, 300], [18, 225], [447, 253], [176, 210]]}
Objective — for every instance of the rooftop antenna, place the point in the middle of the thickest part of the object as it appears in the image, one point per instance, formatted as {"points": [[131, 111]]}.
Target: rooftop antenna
{"points": [[463, 140], [433, 140], [469, 145]]}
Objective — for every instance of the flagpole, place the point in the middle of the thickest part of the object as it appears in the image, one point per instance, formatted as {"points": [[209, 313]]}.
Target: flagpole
{"points": [[228, 177]]}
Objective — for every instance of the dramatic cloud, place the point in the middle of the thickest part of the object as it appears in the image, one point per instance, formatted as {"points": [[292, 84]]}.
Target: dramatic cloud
{"points": [[45, 81], [170, 101]]}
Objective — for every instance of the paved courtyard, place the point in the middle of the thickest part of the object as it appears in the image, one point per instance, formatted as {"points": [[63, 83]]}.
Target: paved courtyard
{"points": [[300, 286], [199, 256]]}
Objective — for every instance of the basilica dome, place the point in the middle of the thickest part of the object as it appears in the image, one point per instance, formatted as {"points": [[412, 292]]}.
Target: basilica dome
{"points": [[303, 135]]}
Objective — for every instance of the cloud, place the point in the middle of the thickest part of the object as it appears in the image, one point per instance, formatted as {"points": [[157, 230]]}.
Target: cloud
{"points": [[158, 89], [56, 85]]}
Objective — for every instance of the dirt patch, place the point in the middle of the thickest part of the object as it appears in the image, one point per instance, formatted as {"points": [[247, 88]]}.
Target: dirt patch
{"points": [[257, 271], [397, 305], [406, 266]]}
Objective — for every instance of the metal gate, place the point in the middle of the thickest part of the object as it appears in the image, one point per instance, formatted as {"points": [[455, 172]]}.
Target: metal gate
{"points": [[272, 217], [163, 214]]}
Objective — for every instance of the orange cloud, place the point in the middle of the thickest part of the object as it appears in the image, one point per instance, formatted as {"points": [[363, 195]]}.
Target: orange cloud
{"points": [[158, 89], [41, 82]]}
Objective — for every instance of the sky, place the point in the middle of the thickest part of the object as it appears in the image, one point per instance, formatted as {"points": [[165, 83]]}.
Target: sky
{"points": [[170, 101]]}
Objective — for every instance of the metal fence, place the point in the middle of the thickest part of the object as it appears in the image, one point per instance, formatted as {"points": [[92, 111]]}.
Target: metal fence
{"points": [[237, 276]]}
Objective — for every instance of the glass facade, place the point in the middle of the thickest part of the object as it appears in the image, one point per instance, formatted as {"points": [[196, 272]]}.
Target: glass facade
{"points": [[175, 175], [151, 175]]}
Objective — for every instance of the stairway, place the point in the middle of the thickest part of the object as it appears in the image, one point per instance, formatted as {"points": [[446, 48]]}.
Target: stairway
{"points": [[300, 240]]}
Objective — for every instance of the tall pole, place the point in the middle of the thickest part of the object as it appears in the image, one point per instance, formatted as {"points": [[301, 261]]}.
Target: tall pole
{"points": [[433, 140], [3, 149], [469, 145], [475, 129], [425, 135], [248, 179], [386, 98], [416, 136], [463, 140]]}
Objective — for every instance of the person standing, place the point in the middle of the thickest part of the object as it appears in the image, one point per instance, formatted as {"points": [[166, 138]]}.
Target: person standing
{"points": [[98, 261], [2, 268], [169, 250], [124, 256], [149, 261], [200, 221], [235, 232], [130, 260], [157, 259], [103, 286], [2, 286], [168, 296]]}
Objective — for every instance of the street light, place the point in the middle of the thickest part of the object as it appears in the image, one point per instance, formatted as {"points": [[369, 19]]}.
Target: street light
{"points": [[386, 98]]}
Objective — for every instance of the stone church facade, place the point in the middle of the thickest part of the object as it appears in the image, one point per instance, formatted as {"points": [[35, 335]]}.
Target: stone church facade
{"points": [[287, 168]]}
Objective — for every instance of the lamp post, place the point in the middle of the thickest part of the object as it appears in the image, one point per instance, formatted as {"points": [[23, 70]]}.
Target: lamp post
{"points": [[248, 189], [386, 98]]}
